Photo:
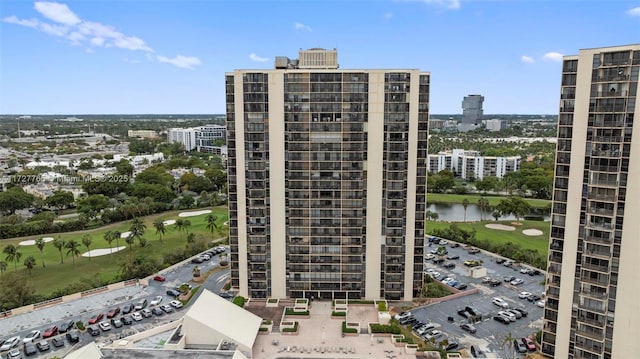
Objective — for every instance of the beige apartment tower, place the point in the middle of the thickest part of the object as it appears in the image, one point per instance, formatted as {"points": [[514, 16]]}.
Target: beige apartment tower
{"points": [[593, 281], [327, 179]]}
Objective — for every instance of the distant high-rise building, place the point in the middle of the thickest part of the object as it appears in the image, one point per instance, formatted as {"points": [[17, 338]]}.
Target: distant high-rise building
{"points": [[327, 179], [472, 109], [201, 139], [593, 272]]}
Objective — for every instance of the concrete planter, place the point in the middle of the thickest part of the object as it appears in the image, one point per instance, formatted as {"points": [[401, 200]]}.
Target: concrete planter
{"points": [[272, 302], [411, 349]]}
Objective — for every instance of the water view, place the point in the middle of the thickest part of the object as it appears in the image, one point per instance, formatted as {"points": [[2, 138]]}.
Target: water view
{"points": [[453, 212]]}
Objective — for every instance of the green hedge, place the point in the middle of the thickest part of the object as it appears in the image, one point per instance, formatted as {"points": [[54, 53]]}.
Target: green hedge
{"points": [[348, 330], [291, 330], [263, 329], [290, 311], [382, 307], [339, 314], [239, 301], [80, 325], [360, 302], [405, 340], [385, 328]]}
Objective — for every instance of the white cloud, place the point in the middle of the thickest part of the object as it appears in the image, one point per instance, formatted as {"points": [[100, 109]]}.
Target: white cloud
{"points": [[302, 27], [388, 15], [32, 23], [52, 29], [552, 56], [57, 12], [634, 12], [185, 62], [449, 4], [76, 38], [89, 50], [527, 59], [97, 41], [257, 58]]}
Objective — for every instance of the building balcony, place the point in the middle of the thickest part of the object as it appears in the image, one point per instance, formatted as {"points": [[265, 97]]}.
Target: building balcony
{"points": [[604, 183], [600, 225], [597, 168], [600, 211], [608, 124], [595, 322], [600, 240], [601, 197], [599, 268], [603, 254], [593, 294], [596, 349], [612, 94], [608, 139], [592, 334], [599, 282], [613, 78]]}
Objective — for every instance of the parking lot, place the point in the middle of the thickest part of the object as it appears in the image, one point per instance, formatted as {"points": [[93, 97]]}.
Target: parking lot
{"points": [[489, 331]]}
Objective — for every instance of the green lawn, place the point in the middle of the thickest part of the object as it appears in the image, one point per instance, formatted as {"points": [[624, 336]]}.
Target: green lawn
{"points": [[57, 275], [473, 199], [539, 243]]}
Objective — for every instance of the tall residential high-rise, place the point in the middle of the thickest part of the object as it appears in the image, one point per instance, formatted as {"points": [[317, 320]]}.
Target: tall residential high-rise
{"points": [[594, 269], [327, 179], [472, 109]]}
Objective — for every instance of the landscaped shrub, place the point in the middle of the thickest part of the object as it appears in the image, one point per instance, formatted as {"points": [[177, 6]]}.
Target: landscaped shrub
{"points": [[272, 300], [239, 301], [348, 330], [291, 330], [266, 321], [80, 325], [339, 314], [360, 302], [382, 306], [290, 311], [385, 328]]}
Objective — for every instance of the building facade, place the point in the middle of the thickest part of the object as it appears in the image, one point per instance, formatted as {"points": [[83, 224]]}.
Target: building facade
{"points": [[496, 125], [142, 133], [201, 139], [471, 165], [593, 268], [472, 109], [327, 179]]}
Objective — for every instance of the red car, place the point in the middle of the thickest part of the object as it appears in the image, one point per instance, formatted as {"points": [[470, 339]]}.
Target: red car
{"points": [[96, 318], [113, 312], [50, 332], [159, 278], [529, 344]]}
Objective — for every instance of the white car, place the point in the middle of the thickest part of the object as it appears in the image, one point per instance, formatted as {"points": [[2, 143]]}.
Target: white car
{"points": [[448, 280], [105, 326], [435, 274], [524, 295], [517, 281], [156, 300], [176, 304], [500, 302], [430, 270], [443, 242], [507, 315], [525, 270], [10, 343], [136, 316], [34, 334], [429, 256], [540, 303], [402, 315]]}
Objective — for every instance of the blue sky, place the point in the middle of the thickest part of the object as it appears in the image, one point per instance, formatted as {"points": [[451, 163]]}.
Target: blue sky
{"points": [[121, 57]]}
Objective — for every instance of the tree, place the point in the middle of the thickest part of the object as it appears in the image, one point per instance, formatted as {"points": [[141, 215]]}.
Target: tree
{"points": [[3, 267], [158, 224], [59, 244], [73, 249], [191, 237], [496, 215], [40, 244], [13, 254], [186, 201], [181, 225], [124, 167], [432, 216], [59, 200], [516, 206], [138, 267], [92, 205], [117, 235], [86, 241], [483, 204], [108, 236], [465, 204], [15, 291], [130, 240], [30, 262], [13, 199], [211, 223], [196, 271], [137, 230]]}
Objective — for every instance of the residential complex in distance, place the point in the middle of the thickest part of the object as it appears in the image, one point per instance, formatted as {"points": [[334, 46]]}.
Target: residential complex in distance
{"points": [[470, 165], [327, 179], [142, 133], [201, 139], [593, 271]]}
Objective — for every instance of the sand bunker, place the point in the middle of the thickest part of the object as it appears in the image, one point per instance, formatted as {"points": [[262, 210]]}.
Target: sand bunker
{"points": [[532, 232], [32, 242], [102, 251], [125, 234], [169, 222], [500, 227], [195, 213]]}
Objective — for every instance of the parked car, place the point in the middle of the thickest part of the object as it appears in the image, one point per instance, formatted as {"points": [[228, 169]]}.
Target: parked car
{"points": [[508, 278], [73, 336], [494, 283], [136, 316], [96, 318], [524, 295], [51, 331], [105, 326], [117, 323], [501, 319], [127, 308], [10, 343], [472, 310], [113, 312], [464, 313], [449, 265], [141, 304], [429, 256], [34, 334], [531, 346], [507, 263], [197, 260], [30, 349], [454, 256], [454, 245], [176, 304], [514, 312], [540, 303], [533, 298], [519, 346], [525, 270], [500, 302], [146, 313], [517, 281], [451, 346], [500, 260], [468, 328], [66, 326], [126, 320], [156, 300], [93, 331], [173, 293], [522, 311], [473, 250], [461, 286], [57, 342], [14, 354], [157, 311], [507, 315], [43, 345], [402, 315], [159, 278]]}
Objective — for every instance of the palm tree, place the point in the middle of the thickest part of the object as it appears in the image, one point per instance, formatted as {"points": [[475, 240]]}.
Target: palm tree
{"points": [[40, 244], [130, 239], [211, 223], [180, 226], [59, 244], [108, 236], [191, 237], [186, 224], [158, 224], [30, 262], [13, 254], [72, 248], [137, 230], [483, 203], [3, 267], [465, 204], [117, 235], [86, 241]]}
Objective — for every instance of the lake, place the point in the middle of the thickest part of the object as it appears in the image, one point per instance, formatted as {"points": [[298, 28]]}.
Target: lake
{"points": [[454, 212]]}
